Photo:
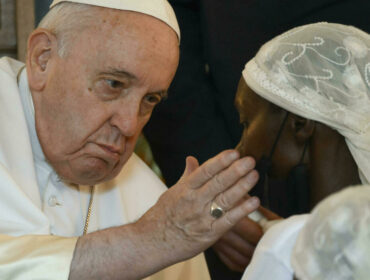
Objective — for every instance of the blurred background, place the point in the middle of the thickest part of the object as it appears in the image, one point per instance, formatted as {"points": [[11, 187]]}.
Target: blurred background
{"points": [[17, 19]]}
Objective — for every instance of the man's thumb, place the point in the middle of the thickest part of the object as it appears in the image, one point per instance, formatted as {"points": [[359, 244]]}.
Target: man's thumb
{"points": [[191, 164]]}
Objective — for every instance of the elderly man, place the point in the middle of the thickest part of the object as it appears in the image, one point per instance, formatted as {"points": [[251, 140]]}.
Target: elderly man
{"points": [[70, 120]]}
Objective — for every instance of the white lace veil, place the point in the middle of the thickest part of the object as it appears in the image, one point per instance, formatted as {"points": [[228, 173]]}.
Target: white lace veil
{"points": [[321, 72], [334, 244]]}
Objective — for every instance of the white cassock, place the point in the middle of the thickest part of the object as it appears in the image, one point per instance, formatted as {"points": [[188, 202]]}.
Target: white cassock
{"points": [[271, 259], [41, 217]]}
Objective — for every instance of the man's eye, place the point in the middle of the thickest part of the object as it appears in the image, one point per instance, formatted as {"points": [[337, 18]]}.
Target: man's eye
{"points": [[114, 84], [153, 98]]}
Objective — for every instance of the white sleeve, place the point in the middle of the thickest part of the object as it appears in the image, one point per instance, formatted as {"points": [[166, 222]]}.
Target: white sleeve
{"points": [[266, 267], [271, 259], [36, 257]]}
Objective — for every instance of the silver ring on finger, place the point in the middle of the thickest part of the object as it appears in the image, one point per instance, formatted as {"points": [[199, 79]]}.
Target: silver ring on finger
{"points": [[216, 210]]}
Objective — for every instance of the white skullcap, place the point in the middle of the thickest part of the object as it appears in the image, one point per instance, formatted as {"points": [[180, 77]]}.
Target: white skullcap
{"points": [[320, 72], [334, 243], [159, 9]]}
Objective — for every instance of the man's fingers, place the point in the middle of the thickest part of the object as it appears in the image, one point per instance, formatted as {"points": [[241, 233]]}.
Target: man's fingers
{"points": [[191, 200], [191, 165], [211, 168], [229, 176], [249, 230], [230, 197]]}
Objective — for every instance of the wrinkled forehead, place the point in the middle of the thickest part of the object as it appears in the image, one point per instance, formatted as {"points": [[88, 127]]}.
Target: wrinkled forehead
{"points": [[128, 47], [159, 9], [130, 24]]}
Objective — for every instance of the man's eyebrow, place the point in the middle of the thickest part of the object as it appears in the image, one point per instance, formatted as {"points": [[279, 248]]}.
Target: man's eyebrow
{"points": [[124, 73], [120, 73]]}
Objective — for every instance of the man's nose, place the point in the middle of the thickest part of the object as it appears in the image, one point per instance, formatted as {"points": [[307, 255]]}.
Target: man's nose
{"points": [[126, 119]]}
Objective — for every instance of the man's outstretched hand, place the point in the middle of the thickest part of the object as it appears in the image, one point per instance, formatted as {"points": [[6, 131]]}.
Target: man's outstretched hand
{"points": [[184, 210], [179, 226]]}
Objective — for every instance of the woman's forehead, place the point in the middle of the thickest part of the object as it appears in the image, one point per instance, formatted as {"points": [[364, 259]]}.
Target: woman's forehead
{"points": [[247, 101], [246, 98]]}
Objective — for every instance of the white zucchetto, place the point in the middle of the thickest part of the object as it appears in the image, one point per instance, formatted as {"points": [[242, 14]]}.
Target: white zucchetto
{"points": [[320, 72], [334, 243], [159, 9]]}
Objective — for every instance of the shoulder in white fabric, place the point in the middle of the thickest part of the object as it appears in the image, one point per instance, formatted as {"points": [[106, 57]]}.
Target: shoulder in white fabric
{"points": [[335, 241], [159, 9]]}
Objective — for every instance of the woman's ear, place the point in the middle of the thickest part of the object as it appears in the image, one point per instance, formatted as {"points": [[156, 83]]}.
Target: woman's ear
{"points": [[302, 128], [42, 46]]}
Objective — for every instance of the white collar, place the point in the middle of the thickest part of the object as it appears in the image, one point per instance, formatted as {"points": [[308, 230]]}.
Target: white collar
{"points": [[44, 171], [29, 111]]}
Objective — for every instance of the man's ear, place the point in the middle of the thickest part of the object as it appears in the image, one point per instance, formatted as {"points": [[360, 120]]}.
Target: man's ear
{"points": [[42, 46], [302, 128]]}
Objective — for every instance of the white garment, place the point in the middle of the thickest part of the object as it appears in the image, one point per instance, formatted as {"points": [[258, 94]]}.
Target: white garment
{"points": [[271, 259], [334, 242], [34, 201]]}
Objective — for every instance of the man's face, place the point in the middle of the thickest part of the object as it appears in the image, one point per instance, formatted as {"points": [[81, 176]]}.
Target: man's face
{"points": [[98, 98], [262, 121]]}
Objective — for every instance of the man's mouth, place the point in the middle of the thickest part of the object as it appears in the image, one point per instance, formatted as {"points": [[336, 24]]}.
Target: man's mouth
{"points": [[113, 151]]}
